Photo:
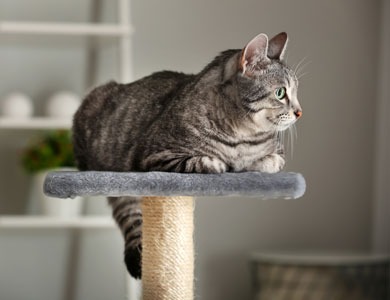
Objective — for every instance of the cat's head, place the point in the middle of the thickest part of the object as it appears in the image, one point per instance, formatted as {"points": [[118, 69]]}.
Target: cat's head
{"points": [[267, 87]]}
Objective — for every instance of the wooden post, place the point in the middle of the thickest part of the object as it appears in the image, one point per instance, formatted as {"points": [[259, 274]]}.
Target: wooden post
{"points": [[168, 248]]}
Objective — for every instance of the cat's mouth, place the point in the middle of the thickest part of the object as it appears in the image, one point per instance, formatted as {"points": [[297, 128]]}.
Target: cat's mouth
{"points": [[284, 122]]}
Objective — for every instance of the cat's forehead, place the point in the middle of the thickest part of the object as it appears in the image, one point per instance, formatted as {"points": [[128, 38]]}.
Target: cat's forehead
{"points": [[278, 73]]}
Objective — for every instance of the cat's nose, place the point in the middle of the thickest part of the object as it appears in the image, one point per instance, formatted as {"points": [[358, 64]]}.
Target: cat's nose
{"points": [[298, 113]]}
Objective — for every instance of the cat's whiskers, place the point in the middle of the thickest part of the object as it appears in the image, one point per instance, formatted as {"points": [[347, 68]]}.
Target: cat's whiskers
{"points": [[301, 75], [280, 136], [299, 72], [294, 129], [298, 65], [291, 139]]}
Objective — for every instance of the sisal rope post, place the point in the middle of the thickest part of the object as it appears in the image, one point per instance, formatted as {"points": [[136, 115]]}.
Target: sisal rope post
{"points": [[167, 248]]}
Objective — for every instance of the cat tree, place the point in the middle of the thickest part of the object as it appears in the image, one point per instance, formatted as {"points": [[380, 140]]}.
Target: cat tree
{"points": [[167, 207]]}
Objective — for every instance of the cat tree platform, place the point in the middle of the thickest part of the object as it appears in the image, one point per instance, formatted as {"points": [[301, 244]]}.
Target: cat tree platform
{"points": [[167, 208]]}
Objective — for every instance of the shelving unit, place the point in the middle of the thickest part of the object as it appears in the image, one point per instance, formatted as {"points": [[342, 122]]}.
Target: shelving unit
{"points": [[35, 123], [120, 33], [118, 30], [39, 222], [121, 30]]}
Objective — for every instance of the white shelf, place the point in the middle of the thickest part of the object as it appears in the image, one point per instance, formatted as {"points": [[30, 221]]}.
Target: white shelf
{"points": [[31, 222], [34, 123], [64, 28]]}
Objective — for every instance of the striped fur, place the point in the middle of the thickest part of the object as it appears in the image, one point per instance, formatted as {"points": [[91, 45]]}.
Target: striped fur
{"points": [[127, 213], [225, 118]]}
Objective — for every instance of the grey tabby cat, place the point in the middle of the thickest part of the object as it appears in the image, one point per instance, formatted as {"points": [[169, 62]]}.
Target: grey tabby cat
{"points": [[224, 119]]}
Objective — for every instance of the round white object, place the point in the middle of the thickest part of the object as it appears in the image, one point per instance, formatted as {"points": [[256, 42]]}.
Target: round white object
{"points": [[62, 105], [17, 105]]}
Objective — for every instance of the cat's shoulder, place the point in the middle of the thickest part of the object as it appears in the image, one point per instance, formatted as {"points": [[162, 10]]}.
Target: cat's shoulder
{"points": [[163, 81]]}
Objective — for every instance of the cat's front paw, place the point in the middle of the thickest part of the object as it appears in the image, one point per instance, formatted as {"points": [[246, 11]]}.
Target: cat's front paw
{"points": [[211, 165], [271, 163]]}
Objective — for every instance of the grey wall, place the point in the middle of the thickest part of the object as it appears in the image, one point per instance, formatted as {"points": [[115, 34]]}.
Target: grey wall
{"points": [[335, 148], [381, 235]]}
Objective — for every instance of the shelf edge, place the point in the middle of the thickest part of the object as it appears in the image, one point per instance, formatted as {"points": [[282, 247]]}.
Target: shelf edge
{"points": [[9, 27], [35, 222]]}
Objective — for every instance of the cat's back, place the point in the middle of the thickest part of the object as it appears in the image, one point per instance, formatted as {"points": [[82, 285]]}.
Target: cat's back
{"points": [[148, 90], [113, 115]]}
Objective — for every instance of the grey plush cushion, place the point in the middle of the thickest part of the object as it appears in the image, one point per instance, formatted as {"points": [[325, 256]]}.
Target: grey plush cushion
{"points": [[64, 184]]}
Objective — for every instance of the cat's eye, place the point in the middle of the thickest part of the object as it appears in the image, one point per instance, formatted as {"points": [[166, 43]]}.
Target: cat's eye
{"points": [[280, 93]]}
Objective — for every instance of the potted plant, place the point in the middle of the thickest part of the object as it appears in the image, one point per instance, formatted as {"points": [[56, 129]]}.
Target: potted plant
{"points": [[50, 152]]}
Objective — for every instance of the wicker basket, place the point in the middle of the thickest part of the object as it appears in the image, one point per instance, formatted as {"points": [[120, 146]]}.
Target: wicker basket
{"points": [[317, 277]]}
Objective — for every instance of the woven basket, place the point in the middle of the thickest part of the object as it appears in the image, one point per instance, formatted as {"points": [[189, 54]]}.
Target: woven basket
{"points": [[303, 277]]}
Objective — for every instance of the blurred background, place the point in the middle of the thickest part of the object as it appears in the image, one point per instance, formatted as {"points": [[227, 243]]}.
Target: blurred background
{"points": [[342, 147]]}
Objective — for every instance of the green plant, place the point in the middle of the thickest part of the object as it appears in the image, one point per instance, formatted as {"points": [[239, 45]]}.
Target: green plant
{"points": [[51, 151]]}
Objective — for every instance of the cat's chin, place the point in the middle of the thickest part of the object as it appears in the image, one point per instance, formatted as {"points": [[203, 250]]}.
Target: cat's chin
{"points": [[283, 127]]}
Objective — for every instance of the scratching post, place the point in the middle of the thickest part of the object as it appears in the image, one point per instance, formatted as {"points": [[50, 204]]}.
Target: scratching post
{"points": [[168, 250], [167, 207]]}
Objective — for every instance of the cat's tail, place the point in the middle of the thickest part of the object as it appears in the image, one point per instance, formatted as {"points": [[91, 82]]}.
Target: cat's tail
{"points": [[128, 215]]}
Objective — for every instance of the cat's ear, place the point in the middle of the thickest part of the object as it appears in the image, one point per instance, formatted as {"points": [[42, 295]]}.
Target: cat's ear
{"points": [[254, 53], [277, 46]]}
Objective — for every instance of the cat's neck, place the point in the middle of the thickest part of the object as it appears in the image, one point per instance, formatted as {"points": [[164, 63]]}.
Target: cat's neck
{"points": [[231, 118], [243, 123]]}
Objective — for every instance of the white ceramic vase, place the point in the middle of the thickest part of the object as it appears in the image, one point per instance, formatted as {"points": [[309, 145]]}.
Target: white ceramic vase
{"points": [[62, 105], [54, 207], [17, 105]]}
